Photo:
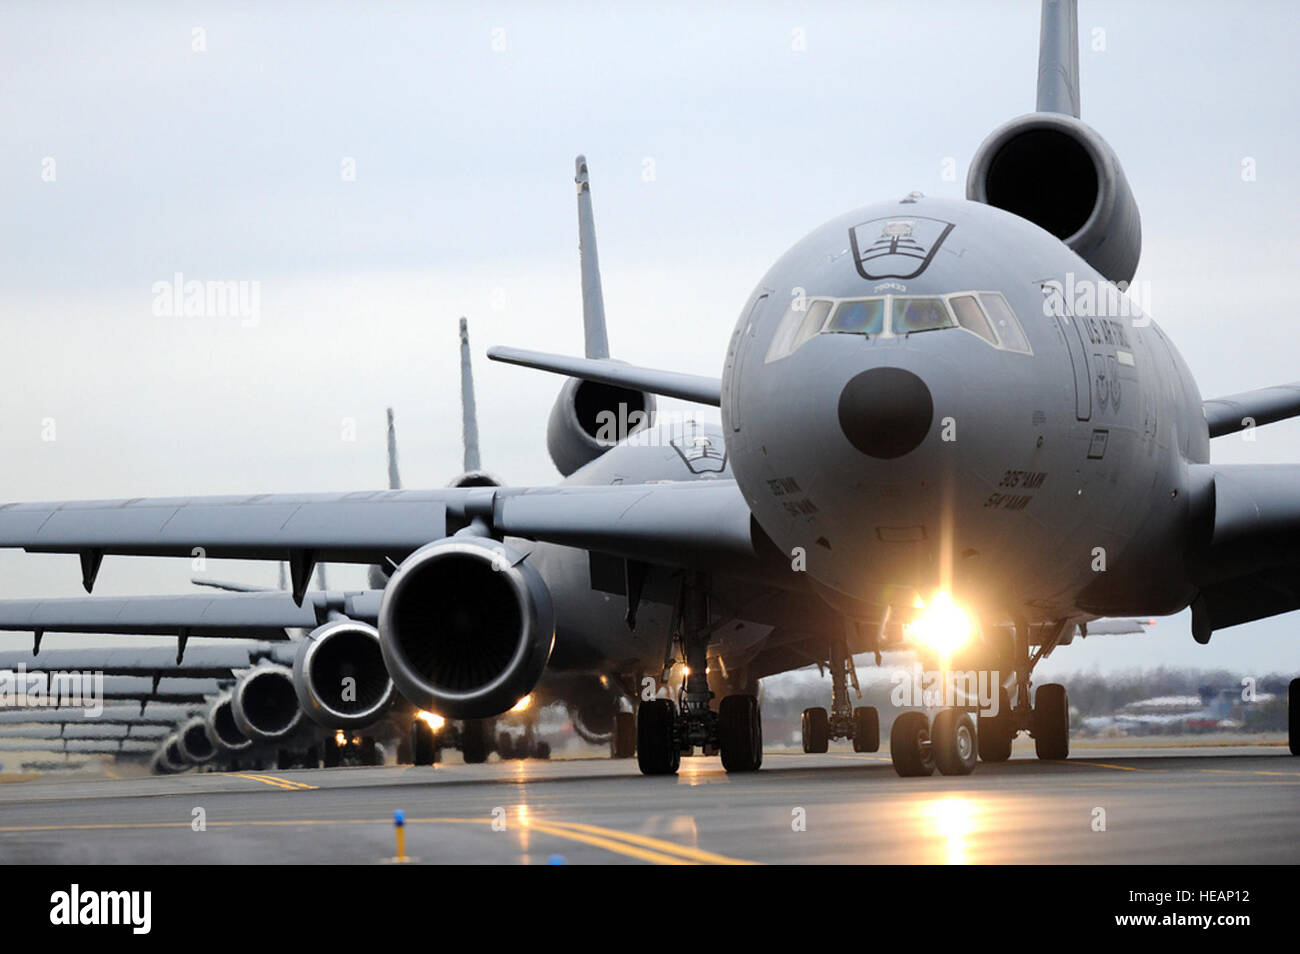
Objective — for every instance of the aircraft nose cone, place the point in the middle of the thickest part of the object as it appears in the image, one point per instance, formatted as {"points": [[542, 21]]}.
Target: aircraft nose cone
{"points": [[886, 412]]}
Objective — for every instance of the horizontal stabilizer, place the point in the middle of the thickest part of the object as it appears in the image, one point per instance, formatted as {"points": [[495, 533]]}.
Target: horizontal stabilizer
{"points": [[1239, 412], [687, 387]]}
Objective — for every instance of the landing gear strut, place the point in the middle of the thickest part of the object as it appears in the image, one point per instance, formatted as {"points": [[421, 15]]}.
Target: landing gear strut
{"points": [[665, 732], [862, 724], [1044, 714]]}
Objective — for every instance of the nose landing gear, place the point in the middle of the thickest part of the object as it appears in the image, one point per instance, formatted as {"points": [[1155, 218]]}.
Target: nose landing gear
{"points": [[917, 747]]}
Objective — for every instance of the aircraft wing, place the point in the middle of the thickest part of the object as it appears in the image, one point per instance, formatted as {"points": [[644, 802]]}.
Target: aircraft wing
{"points": [[698, 524], [688, 387], [233, 615], [1236, 412], [1247, 563], [213, 662]]}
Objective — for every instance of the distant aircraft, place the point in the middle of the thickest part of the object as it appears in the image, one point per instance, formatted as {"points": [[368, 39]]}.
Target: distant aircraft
{"points": [[1211, 709], [941, 424]]}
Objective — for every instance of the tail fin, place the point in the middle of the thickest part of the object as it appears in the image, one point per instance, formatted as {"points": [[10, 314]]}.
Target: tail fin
{"points": [[1058, 58], [593, 299], [469, 416], [394, 478]]}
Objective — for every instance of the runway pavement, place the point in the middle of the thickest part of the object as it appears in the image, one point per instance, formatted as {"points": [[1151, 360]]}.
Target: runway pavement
{"points": [[1109, 804]]}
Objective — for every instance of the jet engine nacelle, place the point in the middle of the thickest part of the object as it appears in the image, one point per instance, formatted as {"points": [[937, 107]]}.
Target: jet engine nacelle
{"points": [[466, 627], [589, 418], [476, 478], [1058, 173], [222, 730], [265, 703], [340, 677], [194, 742], [170, 759]]}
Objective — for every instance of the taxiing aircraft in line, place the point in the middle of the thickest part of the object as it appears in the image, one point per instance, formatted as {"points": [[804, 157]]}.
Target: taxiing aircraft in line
{"points": [[924, 438]]}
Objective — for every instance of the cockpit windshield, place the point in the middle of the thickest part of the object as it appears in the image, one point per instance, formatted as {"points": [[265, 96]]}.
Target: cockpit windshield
{"points": [[987, 315], [859, 317], [920, 314]]}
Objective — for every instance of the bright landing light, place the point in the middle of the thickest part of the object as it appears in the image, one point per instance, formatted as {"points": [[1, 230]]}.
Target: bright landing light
{"points": [[434, 720], [523, 703], [943, 626]]}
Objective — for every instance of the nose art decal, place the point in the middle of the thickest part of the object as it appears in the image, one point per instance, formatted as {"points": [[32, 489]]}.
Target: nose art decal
{"points": [[886, 412], [899, 247]]}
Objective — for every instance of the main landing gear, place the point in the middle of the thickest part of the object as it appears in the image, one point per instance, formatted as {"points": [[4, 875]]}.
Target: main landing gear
{"points": [[1046, 717], [473, 737], [665, 732], [953, 741], [861, 725]]}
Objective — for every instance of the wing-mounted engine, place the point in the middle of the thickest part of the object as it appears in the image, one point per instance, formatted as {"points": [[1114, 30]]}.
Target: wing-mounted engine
{"points": [[194, 742], [1058, 173], [339, 675], [222, 730], [466, 627], [265, 703]]}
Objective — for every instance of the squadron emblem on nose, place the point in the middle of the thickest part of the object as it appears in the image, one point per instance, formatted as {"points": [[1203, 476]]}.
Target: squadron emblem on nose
{"points": [[899, 247]]}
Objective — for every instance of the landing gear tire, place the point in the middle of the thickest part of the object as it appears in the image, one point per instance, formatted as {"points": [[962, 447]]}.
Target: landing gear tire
{"points": [[1293, 716], [656, 747], [541, 749], [424, 749], [506, 747], [622, 741], [283, 760], [866, 729], [909, 747], [474, 744], [995, 733], [953, 742], [1052, 722], [816, 730], [740, 733], [330, 755]]}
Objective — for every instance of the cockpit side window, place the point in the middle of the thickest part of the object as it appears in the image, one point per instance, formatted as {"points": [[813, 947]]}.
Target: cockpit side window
{"points": [[802, 320], [919, 314], [1005, 323], [859, 317], [971, 317]]}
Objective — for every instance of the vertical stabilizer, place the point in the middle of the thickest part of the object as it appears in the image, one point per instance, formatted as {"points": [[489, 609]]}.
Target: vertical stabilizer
{"points": [[394, 478], [593, 300], [1058, 58], [469, 415]]}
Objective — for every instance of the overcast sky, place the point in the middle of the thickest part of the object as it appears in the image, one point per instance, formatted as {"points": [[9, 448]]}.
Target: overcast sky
{"points": [[218, 141]]}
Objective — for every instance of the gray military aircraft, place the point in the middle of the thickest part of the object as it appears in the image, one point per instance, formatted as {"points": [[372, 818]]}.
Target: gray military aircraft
{"points": [[928, 437]]}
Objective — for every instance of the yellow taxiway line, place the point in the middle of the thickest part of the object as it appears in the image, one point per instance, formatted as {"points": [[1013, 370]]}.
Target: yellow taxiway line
{"points": [[284, 783]]}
